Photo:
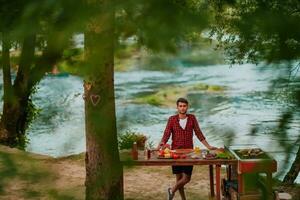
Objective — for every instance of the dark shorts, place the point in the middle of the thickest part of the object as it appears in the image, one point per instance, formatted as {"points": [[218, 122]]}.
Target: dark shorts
{"points": [[187, 169]]}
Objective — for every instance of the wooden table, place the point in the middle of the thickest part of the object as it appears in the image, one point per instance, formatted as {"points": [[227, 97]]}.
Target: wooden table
{"points": [[153, 161]]}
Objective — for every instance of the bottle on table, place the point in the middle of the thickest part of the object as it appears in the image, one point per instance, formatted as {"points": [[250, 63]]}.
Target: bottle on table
{"points": [[134, 151], [147, 152]]}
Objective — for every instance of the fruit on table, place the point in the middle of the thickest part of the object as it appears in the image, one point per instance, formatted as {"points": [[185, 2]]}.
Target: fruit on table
{"points": [[175, 156], [197, 150], [161, 152], [166, 150], [167, 155]]}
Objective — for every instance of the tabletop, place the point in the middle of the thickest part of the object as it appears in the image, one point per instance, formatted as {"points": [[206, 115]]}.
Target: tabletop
{"points": [[126, 159]]}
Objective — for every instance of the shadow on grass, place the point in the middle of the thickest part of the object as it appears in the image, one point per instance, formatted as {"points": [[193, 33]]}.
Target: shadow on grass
{"points": [[32, 177]]}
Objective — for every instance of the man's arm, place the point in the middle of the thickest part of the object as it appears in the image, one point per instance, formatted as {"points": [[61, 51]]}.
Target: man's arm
{"points": [[167, 133], [200, 135]]}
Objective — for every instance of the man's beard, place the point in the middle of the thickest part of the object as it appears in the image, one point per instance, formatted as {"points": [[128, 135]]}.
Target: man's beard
{"points": [[184, 112]]}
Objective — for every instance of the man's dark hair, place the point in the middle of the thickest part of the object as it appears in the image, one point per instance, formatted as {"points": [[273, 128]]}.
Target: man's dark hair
{"points": [[182, 100]]}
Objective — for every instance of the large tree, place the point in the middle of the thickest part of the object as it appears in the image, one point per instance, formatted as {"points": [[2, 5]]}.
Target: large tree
{"points": [[103, 167], [133, 18]]}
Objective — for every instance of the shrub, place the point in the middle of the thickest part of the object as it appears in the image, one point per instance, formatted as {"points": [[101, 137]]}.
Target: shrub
{"points": [[127, 139]]}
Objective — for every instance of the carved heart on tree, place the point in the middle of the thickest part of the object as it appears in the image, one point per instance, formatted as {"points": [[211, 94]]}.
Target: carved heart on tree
{"points": [[87, 86], [95, 99]]}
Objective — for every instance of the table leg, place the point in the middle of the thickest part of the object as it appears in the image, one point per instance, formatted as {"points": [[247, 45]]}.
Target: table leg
{"points": [[122, 182], [211, 180], [218, 181], [269, 186], [229, 169], [240, 184]]}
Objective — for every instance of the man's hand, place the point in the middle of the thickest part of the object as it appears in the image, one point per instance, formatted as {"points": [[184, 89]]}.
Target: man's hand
{"points": [[212, 148], [208, 146], [160, 145]]}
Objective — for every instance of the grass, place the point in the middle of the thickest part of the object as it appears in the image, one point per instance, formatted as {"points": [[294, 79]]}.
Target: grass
{"points": [[29, 176]]}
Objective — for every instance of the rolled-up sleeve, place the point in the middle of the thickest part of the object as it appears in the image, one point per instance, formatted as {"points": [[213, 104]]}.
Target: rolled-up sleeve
{"points": [[167, 132], [197, 129]]}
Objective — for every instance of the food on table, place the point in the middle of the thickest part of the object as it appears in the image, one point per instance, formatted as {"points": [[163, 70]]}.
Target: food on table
{"points": [[210, 156], [161, 153], [167, 150], [167, 155], [251, 153], [175, 156], [224, 155], [197, 150]]}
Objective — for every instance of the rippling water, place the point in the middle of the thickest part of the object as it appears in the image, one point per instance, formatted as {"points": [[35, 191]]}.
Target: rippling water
{"points": [[224, 118]]}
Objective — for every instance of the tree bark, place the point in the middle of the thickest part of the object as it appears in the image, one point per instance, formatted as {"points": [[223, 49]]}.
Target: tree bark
{"points": [[104, 174], [292, 174], [7, 91]]}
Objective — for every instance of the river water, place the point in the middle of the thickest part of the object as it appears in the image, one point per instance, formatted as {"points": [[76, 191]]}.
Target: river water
{"points": [[227, 117]]}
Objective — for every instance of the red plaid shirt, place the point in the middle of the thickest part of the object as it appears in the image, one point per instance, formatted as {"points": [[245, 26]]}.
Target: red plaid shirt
{"points": [[182, 138]]}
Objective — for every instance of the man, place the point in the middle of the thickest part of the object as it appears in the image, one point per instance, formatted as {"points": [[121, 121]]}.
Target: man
{"points": [[181, 126]]}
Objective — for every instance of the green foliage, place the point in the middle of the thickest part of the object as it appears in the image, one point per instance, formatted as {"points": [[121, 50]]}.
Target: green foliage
{"points": [[127, 139], [72, 60], [70, 54], [160, 25], [32, 110], [252, 31]]}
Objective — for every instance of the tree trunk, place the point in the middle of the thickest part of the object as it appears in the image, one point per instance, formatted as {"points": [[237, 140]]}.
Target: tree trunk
{"points": [[21, 87], [8, 100], [17, 103], [14, 117], [104, 175], [292, 174]]}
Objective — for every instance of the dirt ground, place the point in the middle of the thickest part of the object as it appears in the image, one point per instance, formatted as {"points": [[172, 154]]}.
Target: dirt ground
{"points": [[25, 176]]}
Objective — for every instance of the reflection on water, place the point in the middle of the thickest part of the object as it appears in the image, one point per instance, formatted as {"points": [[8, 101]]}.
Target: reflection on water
{"points": [[227, 117]]}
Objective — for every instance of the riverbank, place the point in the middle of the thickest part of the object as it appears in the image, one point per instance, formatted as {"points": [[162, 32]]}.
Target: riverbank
{"points": [[27, 175]]}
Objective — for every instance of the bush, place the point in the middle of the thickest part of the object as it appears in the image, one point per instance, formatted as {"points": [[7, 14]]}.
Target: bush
{"points": [[127, 139]]}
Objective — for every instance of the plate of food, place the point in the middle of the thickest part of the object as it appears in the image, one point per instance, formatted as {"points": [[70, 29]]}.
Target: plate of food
{"points": [[170, 154], [210, 156], [183, 151], [251, 153]]}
